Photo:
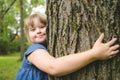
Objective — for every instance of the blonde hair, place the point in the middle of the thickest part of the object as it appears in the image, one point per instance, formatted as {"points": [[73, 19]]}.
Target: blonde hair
{"points": [[29, 23]]}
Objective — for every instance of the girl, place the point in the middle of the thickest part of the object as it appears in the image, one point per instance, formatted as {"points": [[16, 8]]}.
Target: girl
{"points": [[38, 63]]}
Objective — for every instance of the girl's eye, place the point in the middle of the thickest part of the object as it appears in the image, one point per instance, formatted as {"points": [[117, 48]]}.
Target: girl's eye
{"points": [[32, 29], [42, 26]]}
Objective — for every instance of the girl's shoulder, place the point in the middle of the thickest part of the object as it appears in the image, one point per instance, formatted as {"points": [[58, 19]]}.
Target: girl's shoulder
{"points": [[37, 46], [34, 47]]}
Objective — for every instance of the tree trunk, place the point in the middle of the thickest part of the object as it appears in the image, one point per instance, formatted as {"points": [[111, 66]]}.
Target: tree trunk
{"points": [[22, 37], [74, 25]]}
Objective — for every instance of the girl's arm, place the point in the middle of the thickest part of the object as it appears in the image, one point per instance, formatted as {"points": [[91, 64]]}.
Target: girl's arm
{"points": [[70, 63]]}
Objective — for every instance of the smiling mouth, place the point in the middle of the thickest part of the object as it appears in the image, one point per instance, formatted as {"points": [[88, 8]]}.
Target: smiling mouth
{"points": [[40, 36]]}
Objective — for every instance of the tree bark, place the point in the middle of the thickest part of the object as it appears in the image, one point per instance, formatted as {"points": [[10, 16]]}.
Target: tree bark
{"points": [[74, 25], [22, 37]]}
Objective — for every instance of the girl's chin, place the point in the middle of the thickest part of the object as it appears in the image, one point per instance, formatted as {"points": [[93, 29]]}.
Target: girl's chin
{"points": [[42, 41]]}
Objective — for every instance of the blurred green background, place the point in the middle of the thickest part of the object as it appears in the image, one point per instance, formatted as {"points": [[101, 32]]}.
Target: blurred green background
{"points": [[13, 42]]}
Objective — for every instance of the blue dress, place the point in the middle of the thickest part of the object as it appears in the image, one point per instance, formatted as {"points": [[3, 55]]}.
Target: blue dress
{"points": [[28, 71]]}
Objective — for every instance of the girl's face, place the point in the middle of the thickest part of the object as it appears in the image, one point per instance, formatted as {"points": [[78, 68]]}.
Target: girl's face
{"points": [[37, 34]]}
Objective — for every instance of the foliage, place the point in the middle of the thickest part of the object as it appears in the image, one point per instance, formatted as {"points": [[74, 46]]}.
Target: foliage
{"points": [[14, 46], [4, 46], [34, 2], [10, 22], [7, 46]]}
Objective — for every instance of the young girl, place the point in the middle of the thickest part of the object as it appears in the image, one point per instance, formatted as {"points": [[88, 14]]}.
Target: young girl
{"points": [[38, 63]]}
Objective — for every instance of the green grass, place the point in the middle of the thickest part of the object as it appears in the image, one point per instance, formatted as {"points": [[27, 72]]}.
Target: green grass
{"points": [[9, 65]]}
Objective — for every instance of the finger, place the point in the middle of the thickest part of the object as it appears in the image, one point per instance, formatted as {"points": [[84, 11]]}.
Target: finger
{"points": [[112, 56], [114, 52], [114, 47], [110, 43], [100, 39]]}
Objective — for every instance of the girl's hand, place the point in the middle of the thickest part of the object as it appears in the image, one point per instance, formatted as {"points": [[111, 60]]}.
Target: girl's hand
{"points": [[105, 50]]}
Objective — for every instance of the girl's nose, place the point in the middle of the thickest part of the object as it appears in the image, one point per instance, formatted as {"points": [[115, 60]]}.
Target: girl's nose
{"points": [[38, 30]]}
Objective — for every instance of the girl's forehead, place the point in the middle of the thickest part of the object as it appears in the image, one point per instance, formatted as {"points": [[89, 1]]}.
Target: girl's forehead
{"points": [[36, 21]]}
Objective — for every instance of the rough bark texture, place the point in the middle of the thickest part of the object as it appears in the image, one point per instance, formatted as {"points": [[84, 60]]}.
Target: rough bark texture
{"points": [[74, 25], [22, 38]]}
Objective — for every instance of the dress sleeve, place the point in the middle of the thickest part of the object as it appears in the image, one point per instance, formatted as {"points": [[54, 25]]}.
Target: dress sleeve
{"points": [[33, 48]]}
